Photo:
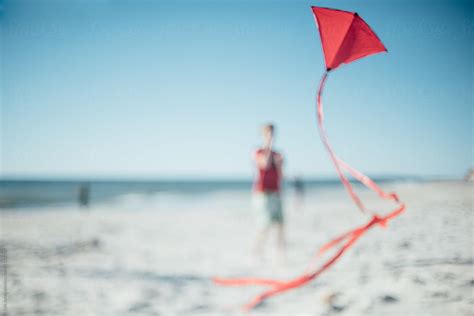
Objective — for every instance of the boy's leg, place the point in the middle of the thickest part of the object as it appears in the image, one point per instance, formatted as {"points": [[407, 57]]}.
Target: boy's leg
{"points": [[278, 220], [260, 241], [280, 238]]}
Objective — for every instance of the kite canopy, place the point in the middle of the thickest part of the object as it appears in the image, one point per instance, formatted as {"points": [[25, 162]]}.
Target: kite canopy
{"points": [[345, 37]]}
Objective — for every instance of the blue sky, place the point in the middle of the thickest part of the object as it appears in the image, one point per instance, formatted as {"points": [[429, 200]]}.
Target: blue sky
{"points": [[165, 89]]}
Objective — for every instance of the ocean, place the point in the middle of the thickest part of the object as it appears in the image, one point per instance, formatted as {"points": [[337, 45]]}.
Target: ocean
{"points": [[49, 192]]}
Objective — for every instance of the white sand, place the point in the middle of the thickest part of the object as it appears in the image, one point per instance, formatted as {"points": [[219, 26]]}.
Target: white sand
{"points": [[154, 256]]}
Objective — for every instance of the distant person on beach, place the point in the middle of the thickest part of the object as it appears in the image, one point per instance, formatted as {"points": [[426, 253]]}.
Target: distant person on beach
{"points": [[298, 186], [469, 175], [83, 197], [267, 186]]}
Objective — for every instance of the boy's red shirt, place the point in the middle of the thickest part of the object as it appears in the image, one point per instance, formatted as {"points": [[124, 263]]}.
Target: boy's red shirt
{"points": [[268, 180]]}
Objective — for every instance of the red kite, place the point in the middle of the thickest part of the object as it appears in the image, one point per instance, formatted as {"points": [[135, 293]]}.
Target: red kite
{"points": [[345, 37]]}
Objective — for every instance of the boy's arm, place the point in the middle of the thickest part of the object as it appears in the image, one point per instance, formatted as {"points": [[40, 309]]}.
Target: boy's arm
{"points": [[279, 165], [262, 158]]}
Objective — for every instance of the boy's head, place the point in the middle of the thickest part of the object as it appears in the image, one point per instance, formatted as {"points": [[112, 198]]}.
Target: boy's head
{"points": [[268, 130]]}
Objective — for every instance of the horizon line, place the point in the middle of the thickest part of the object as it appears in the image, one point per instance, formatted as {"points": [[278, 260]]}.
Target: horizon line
{"points": [[212, 178]]}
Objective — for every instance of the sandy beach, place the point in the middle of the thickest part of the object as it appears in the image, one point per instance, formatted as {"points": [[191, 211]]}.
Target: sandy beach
{"points": [[139, 137], [155, 255]]}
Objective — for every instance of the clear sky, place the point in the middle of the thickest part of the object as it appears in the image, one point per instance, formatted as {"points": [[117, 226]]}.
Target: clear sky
{"points": [[180, 88]]}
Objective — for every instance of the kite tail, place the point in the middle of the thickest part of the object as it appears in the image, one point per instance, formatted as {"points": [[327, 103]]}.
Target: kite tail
{"points": [[246, 281], [277, 286], [346, 240], [340, 165], [362, 178], [332, 155], [369, 183]]}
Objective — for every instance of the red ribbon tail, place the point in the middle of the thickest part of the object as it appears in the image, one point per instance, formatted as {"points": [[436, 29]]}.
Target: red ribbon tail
{"points": [[332, 155], [305, 278], [246, 281], [334, 242], [347, 240]]}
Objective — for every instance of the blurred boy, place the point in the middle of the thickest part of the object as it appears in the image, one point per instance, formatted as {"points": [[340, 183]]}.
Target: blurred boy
{"points": [[267, 198]]}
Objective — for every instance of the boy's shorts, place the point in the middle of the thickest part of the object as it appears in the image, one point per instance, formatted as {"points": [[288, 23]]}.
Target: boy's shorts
{"points": [[268, 208]]}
